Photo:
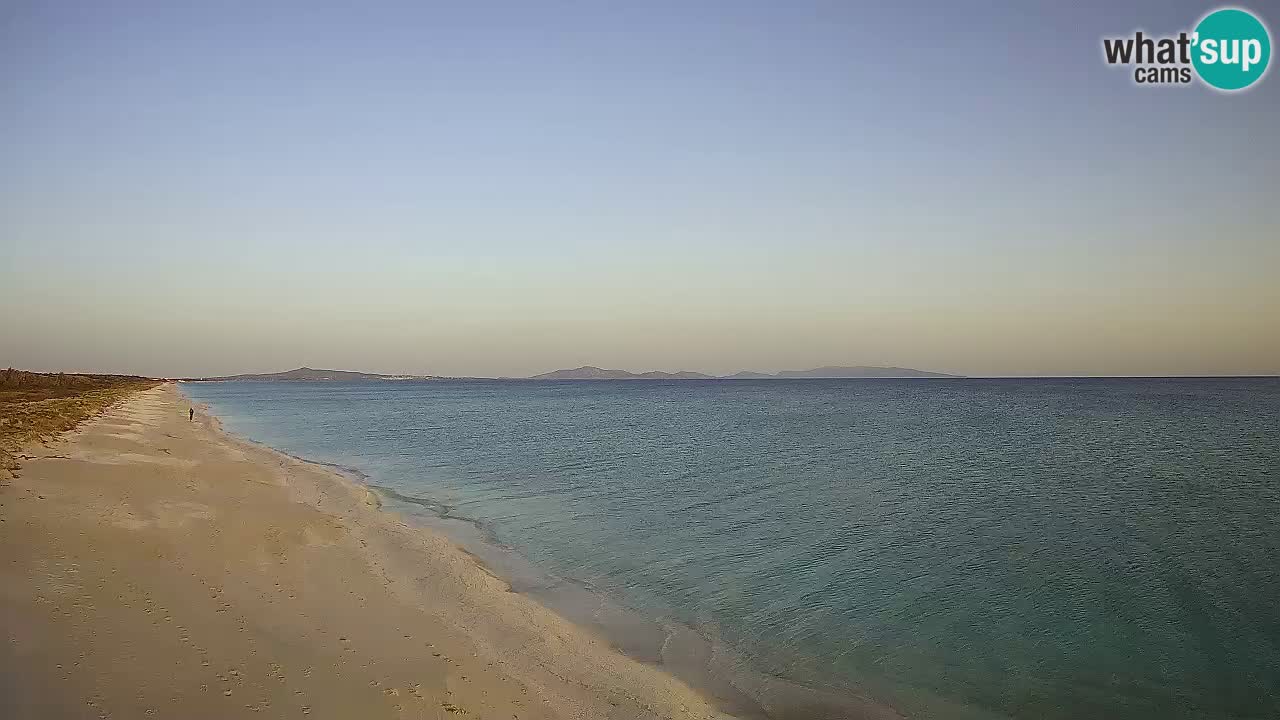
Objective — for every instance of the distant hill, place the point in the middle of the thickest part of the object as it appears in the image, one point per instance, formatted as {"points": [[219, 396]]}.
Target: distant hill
{"points": [[306, 374], [586, 372], [682, 375], [860, 371], [590, 372]]}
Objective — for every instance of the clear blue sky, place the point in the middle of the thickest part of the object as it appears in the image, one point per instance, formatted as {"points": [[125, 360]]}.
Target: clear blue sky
{"points": [[506, 188]]}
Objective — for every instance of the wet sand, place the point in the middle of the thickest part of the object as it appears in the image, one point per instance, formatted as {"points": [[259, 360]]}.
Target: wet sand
{"points": [[155, 567]]}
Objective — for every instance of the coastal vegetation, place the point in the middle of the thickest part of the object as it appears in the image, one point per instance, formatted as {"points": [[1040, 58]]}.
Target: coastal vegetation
{"points": [[35, 407]]}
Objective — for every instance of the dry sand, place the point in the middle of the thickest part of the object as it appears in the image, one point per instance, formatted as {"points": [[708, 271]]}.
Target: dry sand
{"points": [[155, 567]]}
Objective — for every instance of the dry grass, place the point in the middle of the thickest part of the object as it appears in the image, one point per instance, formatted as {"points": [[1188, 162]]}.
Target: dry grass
{"points": [[35, 407]]}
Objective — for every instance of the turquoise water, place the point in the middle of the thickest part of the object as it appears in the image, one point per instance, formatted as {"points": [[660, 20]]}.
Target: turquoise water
{"points": [[952, 548]]}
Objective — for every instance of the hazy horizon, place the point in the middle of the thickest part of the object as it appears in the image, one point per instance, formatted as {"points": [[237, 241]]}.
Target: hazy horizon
{"points": [[943, 374], [503, 190]]}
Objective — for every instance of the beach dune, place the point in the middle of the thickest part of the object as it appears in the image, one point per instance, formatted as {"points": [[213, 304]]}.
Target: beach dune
{"points": [[156, 567]]}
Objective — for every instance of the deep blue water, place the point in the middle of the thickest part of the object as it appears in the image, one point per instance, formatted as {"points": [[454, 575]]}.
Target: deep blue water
{"points": [[955, 548]]}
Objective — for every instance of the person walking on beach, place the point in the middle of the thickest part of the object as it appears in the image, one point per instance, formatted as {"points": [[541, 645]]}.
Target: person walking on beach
{"points": [[191, 414]]}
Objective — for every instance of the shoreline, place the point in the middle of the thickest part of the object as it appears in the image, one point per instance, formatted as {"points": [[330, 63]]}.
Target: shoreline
{"points": [[171, 568], [669, 646]]}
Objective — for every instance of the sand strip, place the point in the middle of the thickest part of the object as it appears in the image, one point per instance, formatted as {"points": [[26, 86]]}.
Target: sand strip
{"points": [[155, 567]]}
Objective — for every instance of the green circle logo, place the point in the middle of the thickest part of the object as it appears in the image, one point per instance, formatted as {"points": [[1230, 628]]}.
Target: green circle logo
{"points": [[1231, 49]]}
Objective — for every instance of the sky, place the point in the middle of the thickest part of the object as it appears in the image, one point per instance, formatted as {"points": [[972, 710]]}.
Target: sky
{"points": [[488, 188]]}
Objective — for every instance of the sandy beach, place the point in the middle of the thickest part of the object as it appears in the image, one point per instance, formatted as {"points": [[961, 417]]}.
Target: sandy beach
{"points": [[156, 567]]}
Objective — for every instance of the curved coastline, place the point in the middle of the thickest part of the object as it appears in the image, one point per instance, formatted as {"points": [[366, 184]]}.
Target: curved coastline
{"points": [[161, 566], [481, 551], [682, 652]]}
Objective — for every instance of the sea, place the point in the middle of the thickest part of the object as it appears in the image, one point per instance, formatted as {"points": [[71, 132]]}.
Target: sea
{"points": [[945, 548]]}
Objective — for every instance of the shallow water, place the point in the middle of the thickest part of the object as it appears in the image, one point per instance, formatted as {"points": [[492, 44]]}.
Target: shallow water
{"points": [[953, 548]]}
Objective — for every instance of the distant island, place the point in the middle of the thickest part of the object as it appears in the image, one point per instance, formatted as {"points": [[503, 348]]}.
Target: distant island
{"points": [[306, 374], [862, 371], [589, 372]]}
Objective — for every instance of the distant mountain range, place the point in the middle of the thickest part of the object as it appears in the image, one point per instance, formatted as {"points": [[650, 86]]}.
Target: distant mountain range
{"points": [[861, 371], [306, 374], [588, 372]]}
